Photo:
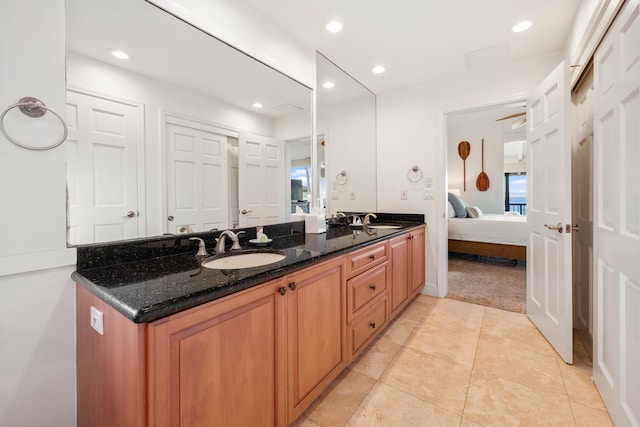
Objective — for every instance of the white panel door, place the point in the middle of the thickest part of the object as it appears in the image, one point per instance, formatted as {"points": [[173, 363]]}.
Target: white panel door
{"points": [[197, 177], [582, 188], [549, 210], [261, 180], [102, 173], [616, 238]]}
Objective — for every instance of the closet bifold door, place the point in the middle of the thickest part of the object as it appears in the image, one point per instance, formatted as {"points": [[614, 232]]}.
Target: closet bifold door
{"points": [[616, 222]]}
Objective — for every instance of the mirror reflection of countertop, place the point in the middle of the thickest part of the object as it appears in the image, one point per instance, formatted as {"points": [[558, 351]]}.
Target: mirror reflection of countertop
{"points": [[147, 279]]}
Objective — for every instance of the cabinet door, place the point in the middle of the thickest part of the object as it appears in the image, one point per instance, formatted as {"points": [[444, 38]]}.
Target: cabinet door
{"points": [[316, 325], [399, 248], [417, 270], [220, 364]]}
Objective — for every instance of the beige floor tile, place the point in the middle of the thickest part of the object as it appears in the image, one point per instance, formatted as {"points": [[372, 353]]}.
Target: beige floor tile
{"points": [[467, 423], [520, 366], [494, 401], [444, 343], [429, 378], [456, 316], [428, 299], [386, 406], [417, 309], [589, 417], [376, 358], [516, 330], [304, 422], [579, 385], [337, 405], [400, 330]]}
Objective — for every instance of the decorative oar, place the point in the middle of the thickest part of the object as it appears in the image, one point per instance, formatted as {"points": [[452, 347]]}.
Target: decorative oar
{"points": [[464, 148], [482, 183]]}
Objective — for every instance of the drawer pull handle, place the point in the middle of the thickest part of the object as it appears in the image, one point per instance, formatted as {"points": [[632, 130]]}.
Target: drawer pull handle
{"points": [[282, 290], [372, 256], [372, 287], [293, 286], [373, 325]]}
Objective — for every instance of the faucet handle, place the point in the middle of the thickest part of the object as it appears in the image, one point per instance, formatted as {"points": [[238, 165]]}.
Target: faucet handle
{"points": [[236, 241], [202, 250]]}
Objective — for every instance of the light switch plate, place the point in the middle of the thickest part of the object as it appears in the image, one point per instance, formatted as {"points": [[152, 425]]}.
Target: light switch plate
{"points": [[352, 195], [403, 194], [97, 320]]}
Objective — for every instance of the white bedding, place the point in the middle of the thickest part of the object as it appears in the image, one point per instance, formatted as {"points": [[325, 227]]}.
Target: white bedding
{"points": [[490, 228]]}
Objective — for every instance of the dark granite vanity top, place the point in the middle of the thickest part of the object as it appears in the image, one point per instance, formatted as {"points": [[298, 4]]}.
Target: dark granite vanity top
{"points": [[147, 279]]}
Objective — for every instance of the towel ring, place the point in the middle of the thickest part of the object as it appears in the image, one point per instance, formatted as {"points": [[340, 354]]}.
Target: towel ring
{"points": [[414, 174], [32, 107], [341, 178]]}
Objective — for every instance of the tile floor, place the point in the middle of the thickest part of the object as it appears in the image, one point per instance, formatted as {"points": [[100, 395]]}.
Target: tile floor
{"points": [[449, 363]]}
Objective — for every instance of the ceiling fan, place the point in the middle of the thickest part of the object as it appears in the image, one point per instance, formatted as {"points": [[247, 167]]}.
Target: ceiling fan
{"points": [[518, 123]]}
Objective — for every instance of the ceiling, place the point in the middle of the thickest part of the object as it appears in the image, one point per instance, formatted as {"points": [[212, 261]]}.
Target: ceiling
{"points": [[422, 40]]}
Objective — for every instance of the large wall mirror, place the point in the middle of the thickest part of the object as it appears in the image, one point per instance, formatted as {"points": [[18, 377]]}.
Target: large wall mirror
{"points": [[187, 134], [346, 145]]}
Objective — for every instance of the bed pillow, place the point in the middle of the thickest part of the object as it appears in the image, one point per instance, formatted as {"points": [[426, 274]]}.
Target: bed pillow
{"points": [[451, 211], [474, 212], [458, 204]]}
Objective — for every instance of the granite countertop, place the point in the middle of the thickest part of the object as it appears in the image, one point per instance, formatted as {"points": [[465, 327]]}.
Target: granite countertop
{"points": [[147, 287]]}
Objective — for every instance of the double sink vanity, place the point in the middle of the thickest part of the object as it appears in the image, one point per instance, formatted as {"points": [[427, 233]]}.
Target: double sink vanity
{"points": [[165, 337]]}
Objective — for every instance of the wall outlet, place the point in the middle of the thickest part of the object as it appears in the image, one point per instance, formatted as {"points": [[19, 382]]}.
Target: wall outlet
{"points": [[352, 195], [97, 320], [404, 194]]}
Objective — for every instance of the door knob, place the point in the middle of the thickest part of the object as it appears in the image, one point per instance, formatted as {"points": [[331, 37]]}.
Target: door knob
{"points": [[170, 218], [558, 227], [131, 214], [244, 212]]}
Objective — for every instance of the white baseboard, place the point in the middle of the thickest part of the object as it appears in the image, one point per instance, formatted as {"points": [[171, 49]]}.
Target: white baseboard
{"points": [[430, 289]]}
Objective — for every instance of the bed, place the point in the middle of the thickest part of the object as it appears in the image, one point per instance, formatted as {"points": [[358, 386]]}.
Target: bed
{"points": [[497, 235]]}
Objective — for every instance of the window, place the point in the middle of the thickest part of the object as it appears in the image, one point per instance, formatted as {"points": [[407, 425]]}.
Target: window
{"points": [[515, 199]]}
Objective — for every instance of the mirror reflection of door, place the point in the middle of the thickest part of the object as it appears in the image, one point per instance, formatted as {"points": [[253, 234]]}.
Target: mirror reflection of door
{"points": [[197, 189], [102, 163], [261, 180]]}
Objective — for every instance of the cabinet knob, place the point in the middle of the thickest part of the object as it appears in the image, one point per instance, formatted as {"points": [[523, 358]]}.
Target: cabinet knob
{"points": [[293, 286], [373, 325], [372, 256], [282, 290], [372, 287]]}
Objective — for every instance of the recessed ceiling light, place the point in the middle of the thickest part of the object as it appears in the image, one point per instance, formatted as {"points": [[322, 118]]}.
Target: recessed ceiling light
{"points": [[120, 54], [334, 27], [257, 105], [521, 26], [378, 69], [328, 85]]}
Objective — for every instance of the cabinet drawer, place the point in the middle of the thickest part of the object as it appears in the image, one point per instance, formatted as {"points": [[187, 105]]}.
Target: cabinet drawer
{"points": [[368, 326], [361, 260], [365, 287]]}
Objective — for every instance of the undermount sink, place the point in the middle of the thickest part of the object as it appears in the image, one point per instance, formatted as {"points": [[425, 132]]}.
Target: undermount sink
{"points": [[388, 226], [244, 260]]}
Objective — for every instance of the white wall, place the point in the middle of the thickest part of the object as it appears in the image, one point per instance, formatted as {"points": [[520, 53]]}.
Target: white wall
{"points": [[349, 132], [37, 308], [411, 130]]}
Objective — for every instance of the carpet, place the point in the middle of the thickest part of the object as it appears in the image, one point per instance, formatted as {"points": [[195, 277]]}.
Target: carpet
{"points": [[488, 281]]}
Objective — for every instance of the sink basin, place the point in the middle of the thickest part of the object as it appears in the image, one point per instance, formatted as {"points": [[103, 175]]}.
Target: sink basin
{"points": [[244, 260], [388, 226]]}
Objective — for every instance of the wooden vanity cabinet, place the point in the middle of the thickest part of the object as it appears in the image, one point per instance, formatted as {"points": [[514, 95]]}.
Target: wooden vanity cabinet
{"points": [[407, 253], [222, 363], [316, 332], [367, 291]]}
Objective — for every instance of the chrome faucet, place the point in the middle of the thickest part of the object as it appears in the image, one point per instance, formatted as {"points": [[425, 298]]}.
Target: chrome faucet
{"points": [[340, 214], [202, 250], [367, 218], [220, 241], [186, 229]]}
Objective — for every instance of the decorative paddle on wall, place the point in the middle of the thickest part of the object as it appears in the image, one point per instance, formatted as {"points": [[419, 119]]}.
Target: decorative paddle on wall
{"points": [[482, 183], [464, 148]]}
